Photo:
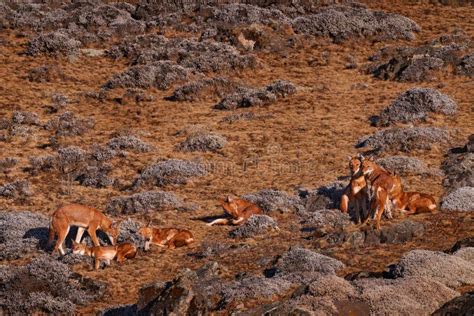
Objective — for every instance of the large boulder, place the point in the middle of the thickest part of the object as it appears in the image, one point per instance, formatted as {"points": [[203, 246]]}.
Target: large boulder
{"points": [[408, 296], [461, 199], [45, 285], [452, 271], [303, 265], [405, 139]]}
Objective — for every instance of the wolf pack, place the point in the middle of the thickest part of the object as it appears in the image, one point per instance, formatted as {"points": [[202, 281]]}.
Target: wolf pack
{"points": [[371, 192]]}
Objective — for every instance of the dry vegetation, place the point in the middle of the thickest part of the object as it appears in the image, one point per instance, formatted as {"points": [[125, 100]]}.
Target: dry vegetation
{"points": [[152, 111]]}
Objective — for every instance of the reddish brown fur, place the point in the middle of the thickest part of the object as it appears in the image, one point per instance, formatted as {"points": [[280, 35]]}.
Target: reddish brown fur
{"points": [[239, 210], [412, 202], [84, 217], [171, 237], [356, 192], [382, 185], [119, 252]]}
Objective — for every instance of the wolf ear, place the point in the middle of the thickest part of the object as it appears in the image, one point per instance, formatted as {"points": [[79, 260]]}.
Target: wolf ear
{"points": [[229, 199]]}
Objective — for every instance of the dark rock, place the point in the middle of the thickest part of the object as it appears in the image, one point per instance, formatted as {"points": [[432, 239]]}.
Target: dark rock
{"points": [[462, 305]]}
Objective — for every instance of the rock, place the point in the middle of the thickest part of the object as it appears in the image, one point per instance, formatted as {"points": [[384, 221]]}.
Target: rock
{"points": [[45, 285], [247, 97], [324, 197], [466, 65], [120, 310], [459, 167], [254, 226], [401, 232], [172, 171], [422, 62], [160, 75], [129, 142], [346, 22], [325, 221], [466, 253], [404, 165], [461, 199], [22, 233], [190, 292], [416, 104], [462, 305], [405, 139], [463, 243], [53, 44], [202, 141], [415, 295], [201, 89], [448, 270], [299, 260], [143, 202], [91, 52], [389, 234], [270, 200]]}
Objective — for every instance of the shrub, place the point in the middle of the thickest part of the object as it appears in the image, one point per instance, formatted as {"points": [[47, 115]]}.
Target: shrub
{"points": [[273, 200], [405, 139], [349, 22], [172, 171], [202, 141], [160, 75], [26, 118], [300, 260], [254, 226], [413, 295], [466, 65], [446, 269], [256, 97], [22, 233], [404, 165], [8, 163], [46, 285], [68, 124], [129, 143], [19, 189], [143, 202], [461, 199], [54, 43], [415, 104], [46, 73], [200, 89]]}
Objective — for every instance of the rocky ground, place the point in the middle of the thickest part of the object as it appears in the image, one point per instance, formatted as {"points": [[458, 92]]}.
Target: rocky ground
{"points": [[153, 111]]}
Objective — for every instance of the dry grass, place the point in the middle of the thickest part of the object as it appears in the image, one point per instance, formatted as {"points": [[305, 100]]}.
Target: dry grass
{"points": [[304, 143]]}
